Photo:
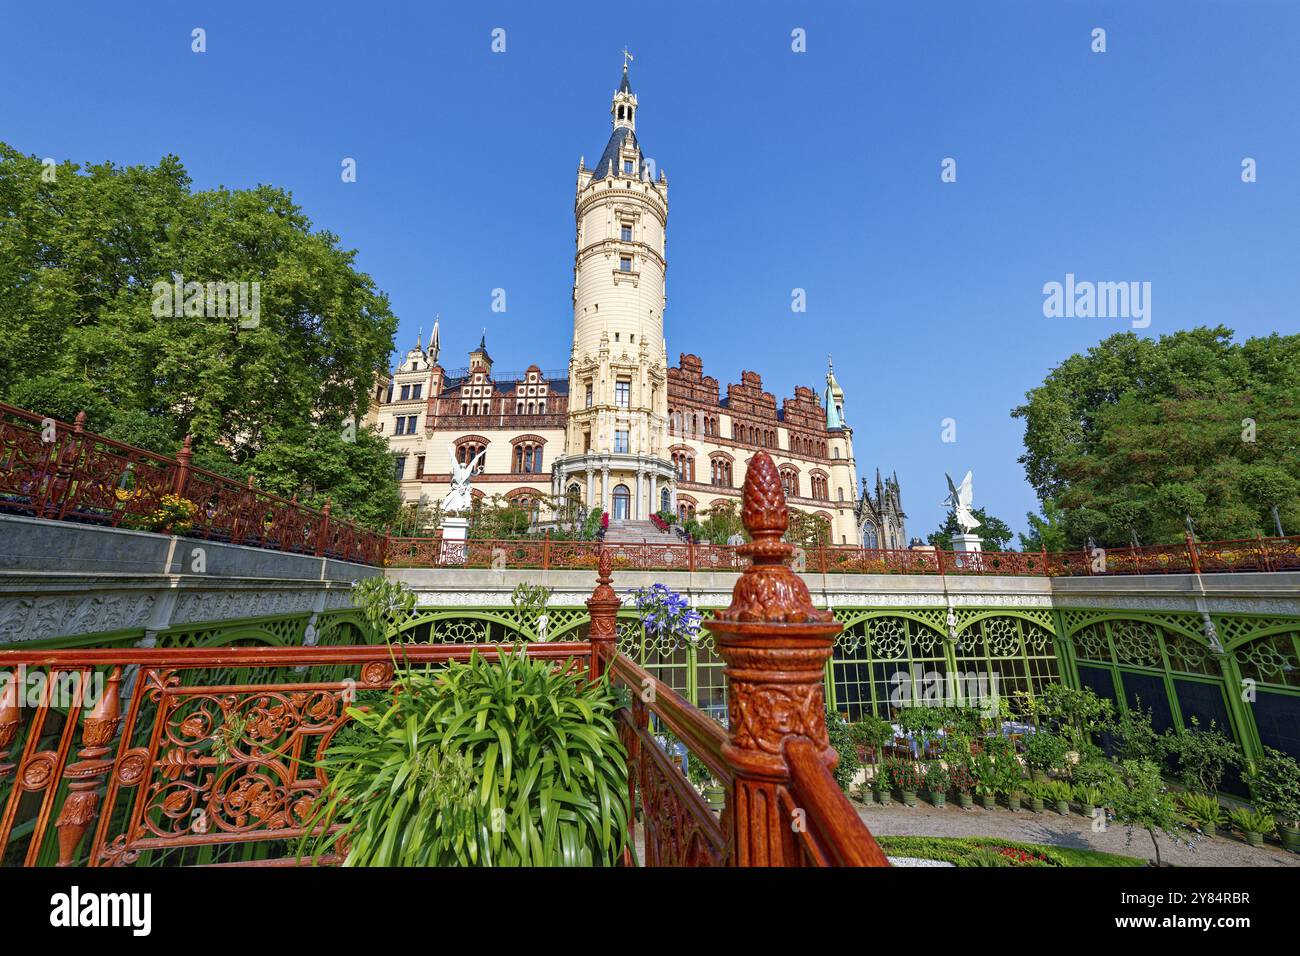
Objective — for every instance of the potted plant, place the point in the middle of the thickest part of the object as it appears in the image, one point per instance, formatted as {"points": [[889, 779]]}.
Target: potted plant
{"points": [[1033, 790], [422, 780], [1275, 789], [1203, 811], [1045, 752], [1254, 826], [936, 783], [699, 774], [880, 787], [963, 784], [1089, 798], [1058, 793], [905, 777]]}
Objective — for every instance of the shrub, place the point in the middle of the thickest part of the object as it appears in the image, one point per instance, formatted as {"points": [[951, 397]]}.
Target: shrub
{"points": [[1057, 790], [937, 779], [1088, 796], [871, 731], [1094, 773], [902, 774], [1251, 821], [1045, 751], [1133, 736], [1203, 810], [961, 778], [482, 763], [1202, 756], [1275, 786], [837, 728]]}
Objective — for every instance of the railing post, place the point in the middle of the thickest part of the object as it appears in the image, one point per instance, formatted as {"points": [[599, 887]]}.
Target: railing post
{"points": [[183, 459], [322, 534], [82, 802], [59, 484], [1191, 551], [603, 607], [546, 550], [775, 646], [11, 718]]}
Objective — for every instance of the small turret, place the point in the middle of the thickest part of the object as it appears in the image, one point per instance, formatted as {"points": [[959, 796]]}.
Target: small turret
{"points": [[834, 398]]}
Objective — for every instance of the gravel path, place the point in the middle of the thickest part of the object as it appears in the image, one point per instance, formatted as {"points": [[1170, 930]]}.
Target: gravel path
{"points": [[1069, 831]]}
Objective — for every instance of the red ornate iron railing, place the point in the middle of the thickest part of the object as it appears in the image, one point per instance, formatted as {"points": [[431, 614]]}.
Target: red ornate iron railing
{"points": [[109, 757], [49, 469], [545, 553]]}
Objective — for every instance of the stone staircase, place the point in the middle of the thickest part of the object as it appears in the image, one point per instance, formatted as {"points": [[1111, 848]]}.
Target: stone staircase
{"points": [[637, 532]]}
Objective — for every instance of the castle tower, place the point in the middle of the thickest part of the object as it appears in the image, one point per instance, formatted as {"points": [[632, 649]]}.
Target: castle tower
{"points": [[617, 435]]}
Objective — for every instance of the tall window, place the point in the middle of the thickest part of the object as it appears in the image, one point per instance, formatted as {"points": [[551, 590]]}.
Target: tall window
{"points": [[624, 263], [622, 392], [419, 466], [528, 458], [620, 442], [415, 390], [399, 467], [588, 395], [626, 233], [406, 392]]}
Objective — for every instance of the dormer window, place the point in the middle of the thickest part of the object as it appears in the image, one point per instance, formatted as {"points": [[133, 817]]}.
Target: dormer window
{"points": [[627, 167]]}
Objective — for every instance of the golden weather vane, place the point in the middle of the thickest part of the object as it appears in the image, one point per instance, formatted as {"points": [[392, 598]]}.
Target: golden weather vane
{"points": [[627, 58]]}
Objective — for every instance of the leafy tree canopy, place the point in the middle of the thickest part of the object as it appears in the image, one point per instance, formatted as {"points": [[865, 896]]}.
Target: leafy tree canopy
{"points": [[80, 252], [1138, 433]]}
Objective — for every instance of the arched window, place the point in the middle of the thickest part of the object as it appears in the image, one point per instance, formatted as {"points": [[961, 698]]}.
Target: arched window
{"points": [[790, 482], [870, 537], [622, 503]]}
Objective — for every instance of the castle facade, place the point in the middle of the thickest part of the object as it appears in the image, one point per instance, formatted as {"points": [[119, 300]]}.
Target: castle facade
{"points": [[621, 429]]}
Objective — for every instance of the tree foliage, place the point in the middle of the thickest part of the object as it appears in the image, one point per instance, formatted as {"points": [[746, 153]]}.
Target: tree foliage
{"points": [[80, 252], [1138, 433]]}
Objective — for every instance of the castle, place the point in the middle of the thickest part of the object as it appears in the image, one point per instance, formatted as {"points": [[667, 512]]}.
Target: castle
{"points": [[622, 430]]}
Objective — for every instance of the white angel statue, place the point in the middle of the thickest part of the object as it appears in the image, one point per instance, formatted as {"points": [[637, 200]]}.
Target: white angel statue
{"points": [[458, 498], [959, 498]]}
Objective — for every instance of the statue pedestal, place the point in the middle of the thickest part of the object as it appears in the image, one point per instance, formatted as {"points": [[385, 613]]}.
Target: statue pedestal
{"points": [[967, 549], [454, 546]]}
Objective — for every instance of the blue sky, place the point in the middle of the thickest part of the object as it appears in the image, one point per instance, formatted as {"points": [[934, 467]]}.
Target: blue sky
{"points": [[817, 170]]}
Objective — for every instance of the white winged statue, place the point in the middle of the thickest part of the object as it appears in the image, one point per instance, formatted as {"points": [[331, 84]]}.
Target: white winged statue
{"points": [[458, 498], [959, 497]]}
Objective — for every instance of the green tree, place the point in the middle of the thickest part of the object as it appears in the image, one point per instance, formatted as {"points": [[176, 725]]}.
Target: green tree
{"points": [[994, 533], [1137, 434], [80, 254], [1142, 801], [1046, 531], [807, 530], [720, 521]]}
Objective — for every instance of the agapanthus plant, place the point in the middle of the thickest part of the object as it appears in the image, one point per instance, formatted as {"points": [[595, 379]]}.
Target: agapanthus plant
{"points": [[665, 613]]}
